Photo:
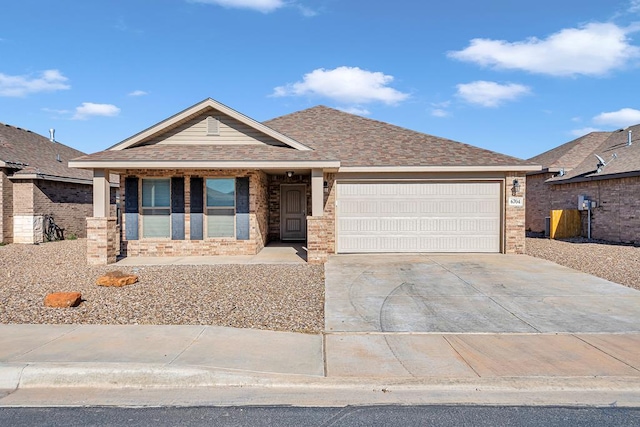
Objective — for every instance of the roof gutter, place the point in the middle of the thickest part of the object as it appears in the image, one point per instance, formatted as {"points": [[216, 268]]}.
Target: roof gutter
{"points": [[50, 178], [360, 169], [593, 178], [203, 164]]}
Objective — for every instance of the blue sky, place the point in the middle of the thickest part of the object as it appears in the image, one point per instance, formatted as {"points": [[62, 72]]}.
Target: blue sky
{"points": [[514, 77]]}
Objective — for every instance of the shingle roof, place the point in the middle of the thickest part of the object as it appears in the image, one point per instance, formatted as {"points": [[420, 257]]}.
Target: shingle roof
{"points": [[333, 136], [625, 162], [359, 141], [568, 156], [31, 153]]}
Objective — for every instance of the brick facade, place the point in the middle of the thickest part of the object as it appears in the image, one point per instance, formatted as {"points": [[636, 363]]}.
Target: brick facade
{"points": [[258, 218], [538, 203], [617, 215], [69, 204], [102, 240], [6, 207], [514, 217]]}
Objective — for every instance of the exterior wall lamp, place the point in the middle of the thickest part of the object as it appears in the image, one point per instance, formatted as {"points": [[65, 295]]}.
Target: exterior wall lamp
{"points": [[516, 187], [289, 173]]}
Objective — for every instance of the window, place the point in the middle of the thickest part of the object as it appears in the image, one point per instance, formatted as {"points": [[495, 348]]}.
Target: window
{"points": [[221, 207], [156, 207]]}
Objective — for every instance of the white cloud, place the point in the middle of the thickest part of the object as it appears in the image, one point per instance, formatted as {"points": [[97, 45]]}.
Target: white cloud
{"points": [[621, 118], [490, 94], [584, 131], [594, 49], [264, 6], [138, 93], [355, 110], [345, 84], [18, 86], [88, 109], [439, 112], [634, 6]]}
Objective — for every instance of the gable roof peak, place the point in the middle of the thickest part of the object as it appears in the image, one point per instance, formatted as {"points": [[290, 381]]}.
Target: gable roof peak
{"points": [[199, 108]]}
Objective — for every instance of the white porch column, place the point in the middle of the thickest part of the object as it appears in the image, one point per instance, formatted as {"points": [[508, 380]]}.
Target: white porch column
{"points": [[317, 192], [101, 193]]}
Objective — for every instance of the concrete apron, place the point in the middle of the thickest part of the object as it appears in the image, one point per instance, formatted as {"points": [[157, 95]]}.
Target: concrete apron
{"points": [[476, 316]]}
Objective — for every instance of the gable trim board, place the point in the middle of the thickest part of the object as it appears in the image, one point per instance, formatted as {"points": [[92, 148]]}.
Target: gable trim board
{"points": [[418, 216], [200, 108]]}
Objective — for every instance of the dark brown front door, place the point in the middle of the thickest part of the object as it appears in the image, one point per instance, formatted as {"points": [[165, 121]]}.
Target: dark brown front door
{"points": [[293, 212]]}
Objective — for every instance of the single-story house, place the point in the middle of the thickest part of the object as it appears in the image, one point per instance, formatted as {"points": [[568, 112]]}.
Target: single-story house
{"points": [[603, 168], [35, 181], [210, 180]]}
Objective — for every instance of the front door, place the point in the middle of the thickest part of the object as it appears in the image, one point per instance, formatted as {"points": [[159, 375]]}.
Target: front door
{"points": [[293, 212]]}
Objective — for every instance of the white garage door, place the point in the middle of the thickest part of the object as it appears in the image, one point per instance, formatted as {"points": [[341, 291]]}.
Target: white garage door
{"points": [[418, 217]]}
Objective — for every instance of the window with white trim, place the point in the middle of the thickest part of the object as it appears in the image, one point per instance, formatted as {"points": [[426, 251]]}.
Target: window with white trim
{"points": [[221, 207], [156, 207]]}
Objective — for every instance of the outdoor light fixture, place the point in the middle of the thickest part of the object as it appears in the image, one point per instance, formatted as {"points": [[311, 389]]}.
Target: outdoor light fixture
{"points": [[326, 187], [289, 173], [516, 187]]}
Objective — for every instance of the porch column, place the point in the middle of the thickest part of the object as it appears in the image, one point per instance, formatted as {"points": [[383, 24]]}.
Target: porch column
{"points": [[317, 192], [102, 236], [101, 193], [316, 223]]}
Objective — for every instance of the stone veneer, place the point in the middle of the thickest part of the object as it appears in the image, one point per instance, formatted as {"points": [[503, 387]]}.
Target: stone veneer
{"points": [[258, 218]]}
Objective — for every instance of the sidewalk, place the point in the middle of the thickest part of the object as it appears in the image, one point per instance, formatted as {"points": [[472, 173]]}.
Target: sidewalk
{"points": [[191, 365]]}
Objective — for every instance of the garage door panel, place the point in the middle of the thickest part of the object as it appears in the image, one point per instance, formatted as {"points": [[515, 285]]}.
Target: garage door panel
{"points": [[440, 217]]}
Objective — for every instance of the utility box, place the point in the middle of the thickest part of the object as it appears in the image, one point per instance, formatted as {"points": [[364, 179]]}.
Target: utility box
{"points": [[582, 203]]}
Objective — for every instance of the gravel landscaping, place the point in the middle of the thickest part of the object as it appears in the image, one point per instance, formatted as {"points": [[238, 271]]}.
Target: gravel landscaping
{"points": [[276, 297], [616, 263]]}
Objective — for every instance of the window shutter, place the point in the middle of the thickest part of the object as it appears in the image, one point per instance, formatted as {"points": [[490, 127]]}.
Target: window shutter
{"points": [[196, 190], [177, 208], [131, 208], [242, 208]]}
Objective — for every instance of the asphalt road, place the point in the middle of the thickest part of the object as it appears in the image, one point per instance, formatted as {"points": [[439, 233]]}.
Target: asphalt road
{"points": [[321, 417]]}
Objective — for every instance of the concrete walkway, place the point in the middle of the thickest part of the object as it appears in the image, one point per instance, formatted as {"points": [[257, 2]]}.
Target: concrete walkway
{"points": [[569, 354]]}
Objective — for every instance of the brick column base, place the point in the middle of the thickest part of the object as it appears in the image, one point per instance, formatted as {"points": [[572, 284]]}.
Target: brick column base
{"points": [[101, 241], [317, 242]]}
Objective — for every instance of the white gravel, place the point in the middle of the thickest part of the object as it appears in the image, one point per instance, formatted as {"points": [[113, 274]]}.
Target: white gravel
{"points": [[616, 263], [276, 297]]}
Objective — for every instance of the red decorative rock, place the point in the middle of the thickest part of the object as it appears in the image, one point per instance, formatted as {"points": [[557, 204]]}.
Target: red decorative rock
{"points": [[63, 299], [117, 278]]}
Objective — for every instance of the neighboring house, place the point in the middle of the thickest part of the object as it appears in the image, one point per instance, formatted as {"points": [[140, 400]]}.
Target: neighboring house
{"points": [[575, 169], [210, 180], [35, 181]]}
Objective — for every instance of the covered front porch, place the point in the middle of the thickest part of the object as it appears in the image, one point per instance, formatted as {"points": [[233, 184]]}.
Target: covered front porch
{"points": [[175, 214], [273, 253]]}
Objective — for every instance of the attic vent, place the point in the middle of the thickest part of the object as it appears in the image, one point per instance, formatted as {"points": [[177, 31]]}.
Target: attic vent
{"points": [[213, 126], [58, 157]]}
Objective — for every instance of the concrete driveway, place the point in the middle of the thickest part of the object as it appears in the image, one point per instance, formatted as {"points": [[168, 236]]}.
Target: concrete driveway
{"points": [[469, 293]]}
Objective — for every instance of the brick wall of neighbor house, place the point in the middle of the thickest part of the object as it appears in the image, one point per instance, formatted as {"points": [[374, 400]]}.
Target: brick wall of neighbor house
{"points": [[514, 224], [275, 181], [6, 208], [538, 203], [258, 218], [617, 216], [27, 226], [70, 204]]}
